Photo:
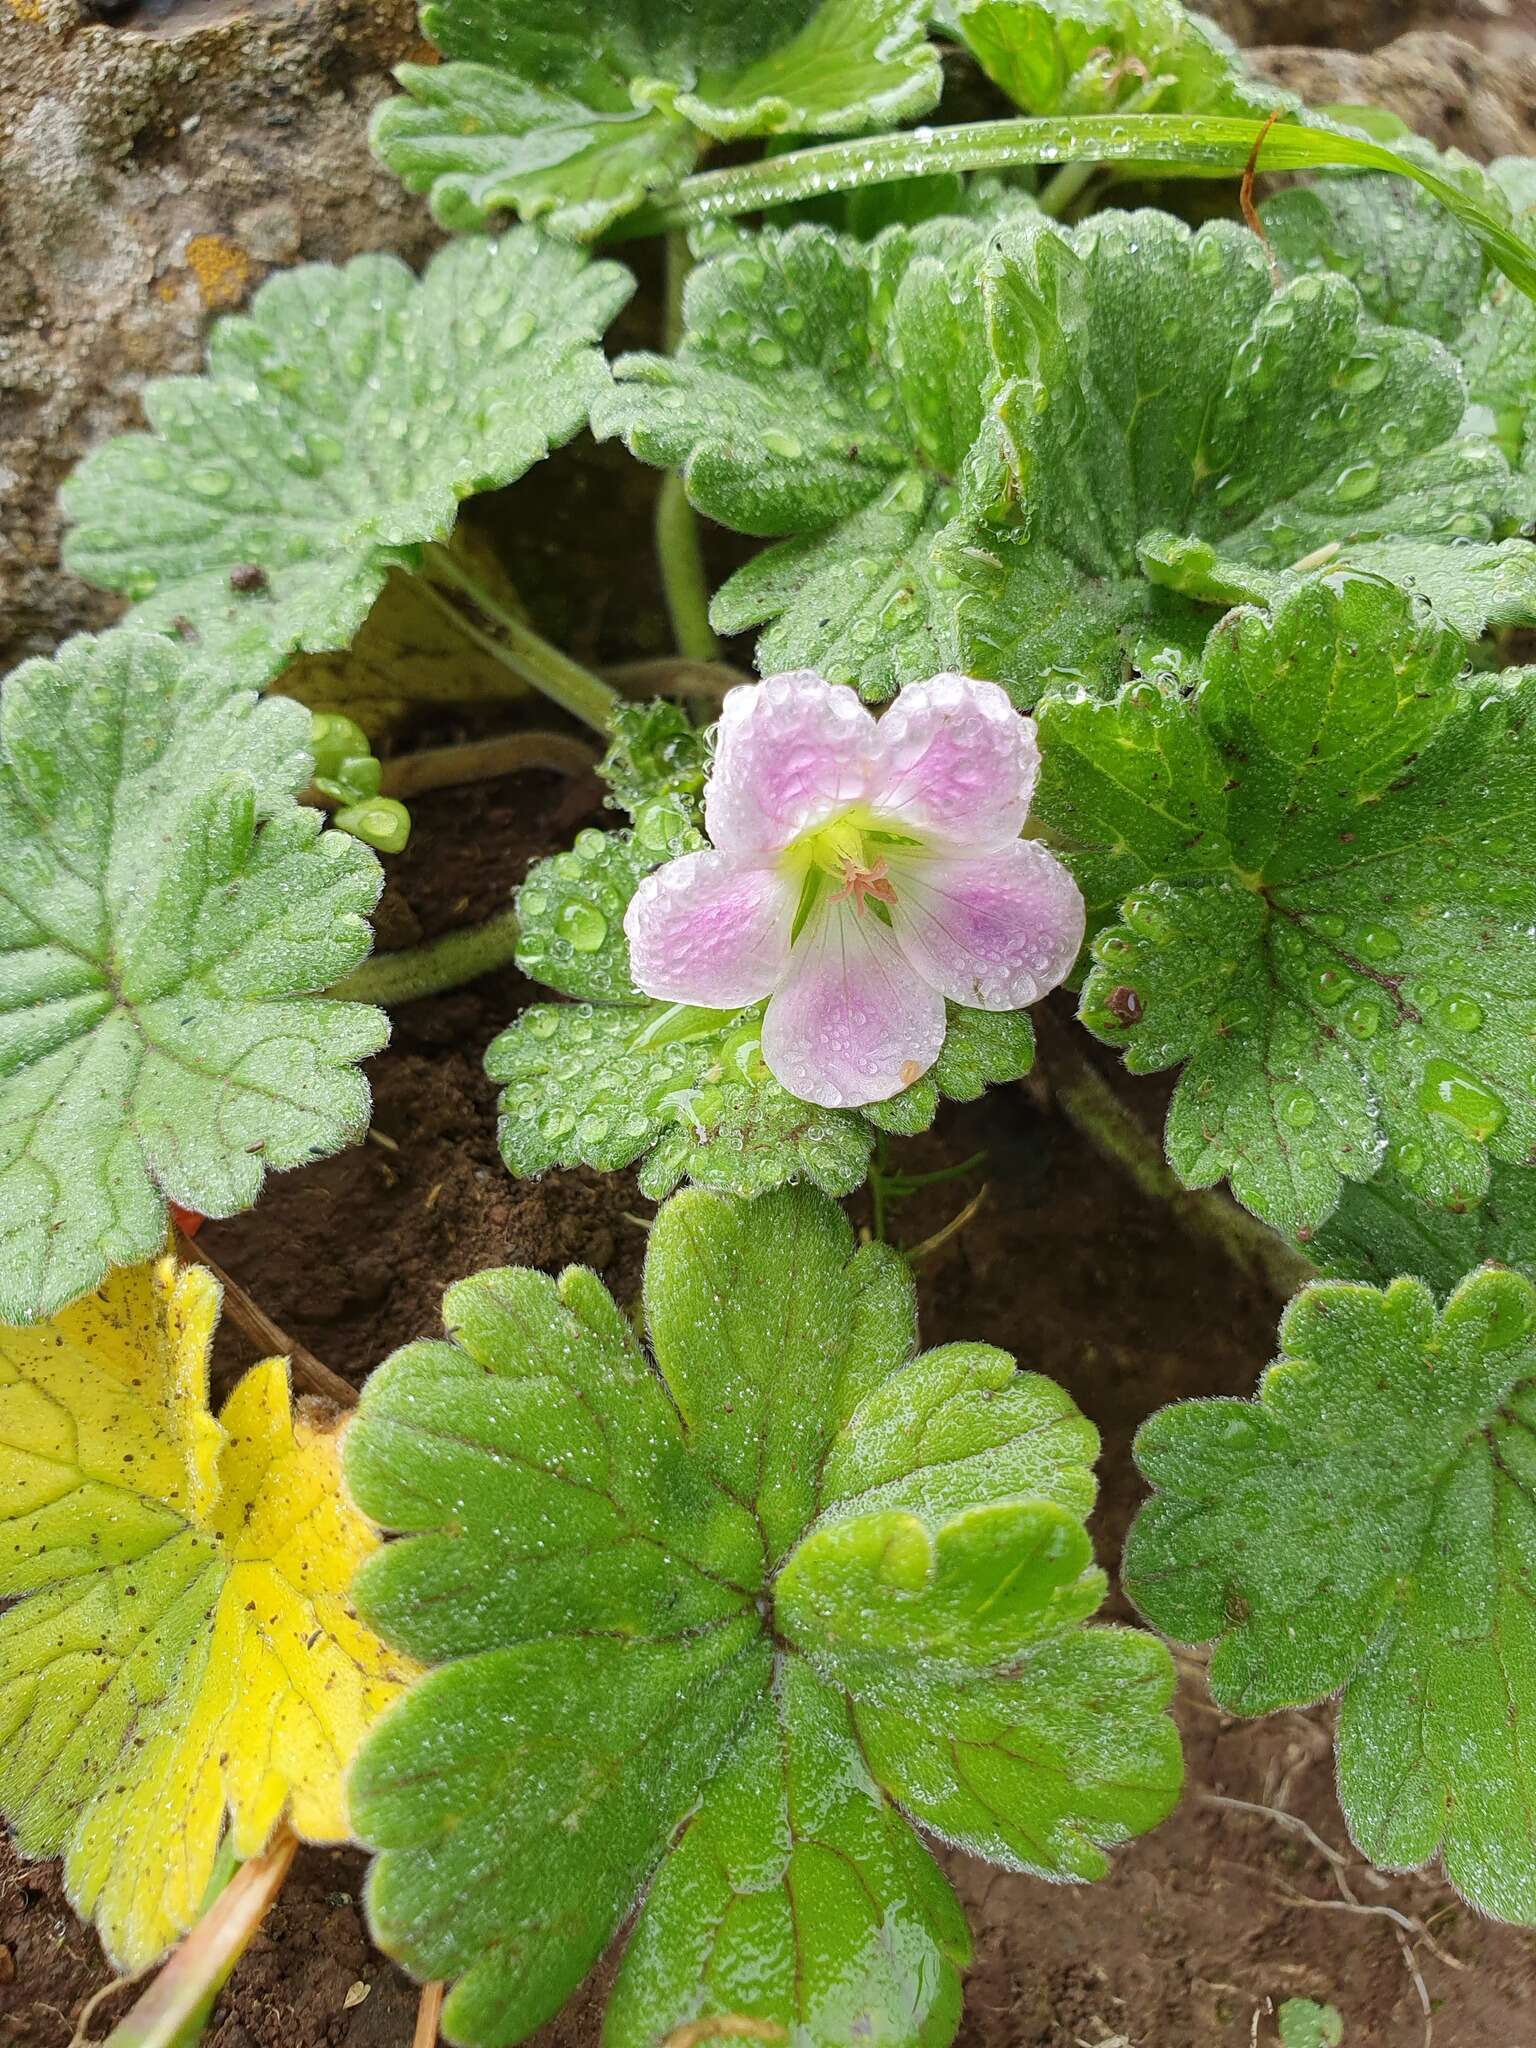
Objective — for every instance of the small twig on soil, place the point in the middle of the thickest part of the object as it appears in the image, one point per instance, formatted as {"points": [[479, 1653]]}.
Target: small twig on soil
{"points": [[1088, 1102], [205, 1958], [1285, 1820], [427, 970], [1405, 1923], [428, 2014], [951, 1229], [508, 753], [81, 2036], [725, 2026], [1341, 1865], [307, 1370]]}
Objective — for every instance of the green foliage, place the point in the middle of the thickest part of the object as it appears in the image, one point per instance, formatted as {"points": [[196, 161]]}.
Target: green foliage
{"points": [[1303, 2023], [826, 393], [348, 772], [336, 429], [714, 1631], [614, 1077], [1417, 267], [656, 752], [1380, 1229], [1094, 56], [1050, 480], [166, 910], [1321, 865], [1366, 1524], [575, 120]]}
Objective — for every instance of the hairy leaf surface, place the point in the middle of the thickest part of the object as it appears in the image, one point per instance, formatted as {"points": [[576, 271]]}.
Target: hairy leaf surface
{"points": [[1381, 1230], [614, 1077], [166, 911], [181, 1657], [825, 394], [703, 1629], [1417, 267], [576, 119], [1096, 56], [1367, 1524], [1051, 478], [337, 427], [1321, 865]]}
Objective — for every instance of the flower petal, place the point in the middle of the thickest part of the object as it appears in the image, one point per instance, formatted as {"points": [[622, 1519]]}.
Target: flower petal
{"points": [[992, 933], [792, 752], [703, 930], [850, 1023], [957, 762]]}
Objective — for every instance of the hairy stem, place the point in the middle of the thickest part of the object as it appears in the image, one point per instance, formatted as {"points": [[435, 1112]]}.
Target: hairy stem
{"points": [[1197, 143], [678, 552], [513, 642], [271, 1339], [428, 969], [675, 676], [484, 760], [1088, 1102], [201, 1965]]}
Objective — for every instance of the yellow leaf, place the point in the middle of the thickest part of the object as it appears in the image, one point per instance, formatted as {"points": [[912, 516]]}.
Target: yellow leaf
{"points": [[187, 1659]]}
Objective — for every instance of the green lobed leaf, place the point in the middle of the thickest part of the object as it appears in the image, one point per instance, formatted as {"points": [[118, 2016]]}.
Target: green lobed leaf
{"points": [[1381, 1229], [1366, 1524], [1417, 267], [825, 394], [1154, 394], [656, 751], [1047, 481], [576, 120], [1322, 864], [614, 1077], [167, 912], [670, 1657], [1092, 56], [336, 429]]}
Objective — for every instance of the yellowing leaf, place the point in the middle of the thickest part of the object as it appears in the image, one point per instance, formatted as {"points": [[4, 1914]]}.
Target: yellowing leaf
{"points": [[187, 1659]]}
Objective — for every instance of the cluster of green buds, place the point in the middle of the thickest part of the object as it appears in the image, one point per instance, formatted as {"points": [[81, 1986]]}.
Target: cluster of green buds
{"points": [[348, 776]]}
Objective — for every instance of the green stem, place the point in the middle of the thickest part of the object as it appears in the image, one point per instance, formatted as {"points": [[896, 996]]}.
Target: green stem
{"points": [[1062, 187], [678, 551], [500, 632], [1088, 1102], [426, 970], [1202, 143]]}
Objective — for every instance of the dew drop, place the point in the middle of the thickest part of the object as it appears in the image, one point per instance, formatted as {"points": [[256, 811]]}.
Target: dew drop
{"points": [[1457, 1093], [582, 925], [1358, 481], [1298, 1108]]}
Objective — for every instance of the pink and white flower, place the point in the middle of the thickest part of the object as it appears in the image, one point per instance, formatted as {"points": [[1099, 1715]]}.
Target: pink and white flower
{"points": [[861, 873]]}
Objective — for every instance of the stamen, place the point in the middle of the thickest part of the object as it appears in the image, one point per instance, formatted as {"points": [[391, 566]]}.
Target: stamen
{"points": [[865, 884]]}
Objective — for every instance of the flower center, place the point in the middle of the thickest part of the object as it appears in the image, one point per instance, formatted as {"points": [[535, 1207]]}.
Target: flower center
{"points": [[851, 858]]}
